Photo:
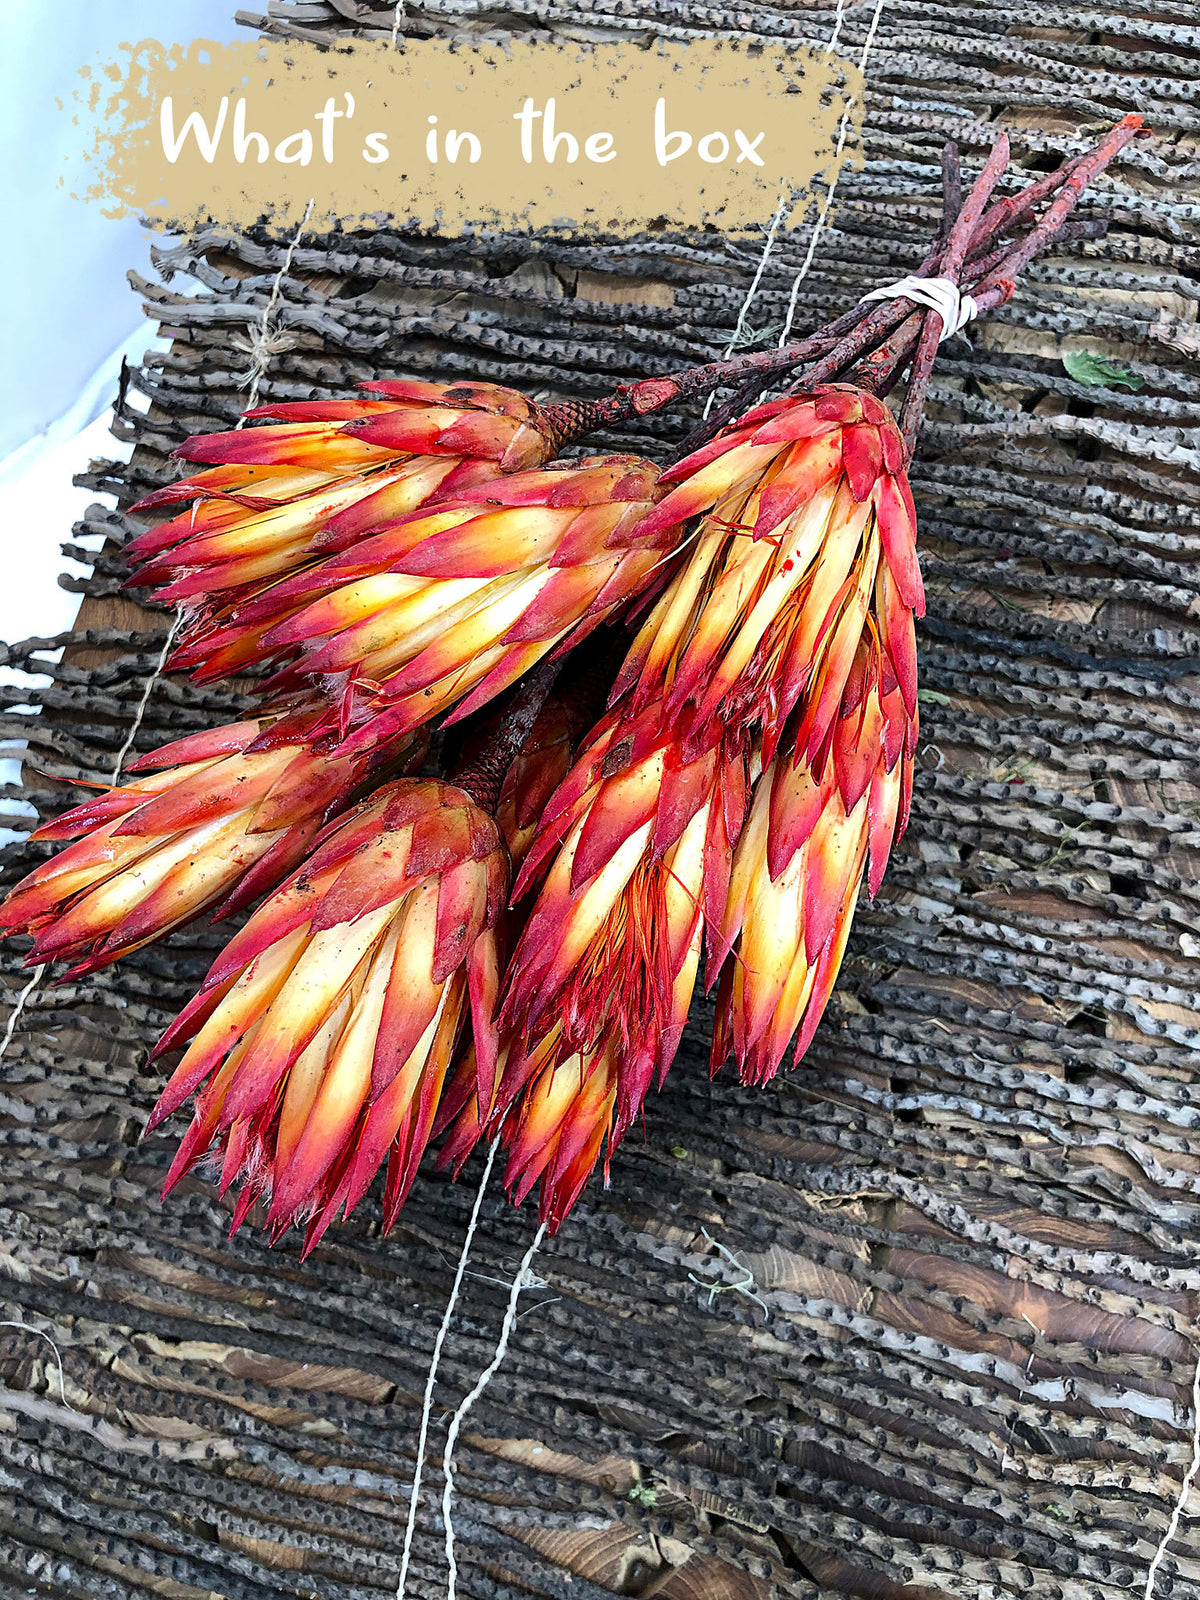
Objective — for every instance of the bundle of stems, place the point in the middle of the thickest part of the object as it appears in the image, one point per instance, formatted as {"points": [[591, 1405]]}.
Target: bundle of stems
{"points": [[981, 247]]}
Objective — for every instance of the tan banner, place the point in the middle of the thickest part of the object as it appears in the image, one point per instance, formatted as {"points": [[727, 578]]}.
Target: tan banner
{"points": [[532, 134]]}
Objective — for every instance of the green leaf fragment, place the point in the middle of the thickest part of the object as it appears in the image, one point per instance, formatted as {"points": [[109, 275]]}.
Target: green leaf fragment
{"points": [[1086, 366]]}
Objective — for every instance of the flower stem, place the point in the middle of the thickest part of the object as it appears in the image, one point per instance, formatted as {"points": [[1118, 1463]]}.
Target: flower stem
{"points": [[875, 340], [483, 773], [965, 226]]}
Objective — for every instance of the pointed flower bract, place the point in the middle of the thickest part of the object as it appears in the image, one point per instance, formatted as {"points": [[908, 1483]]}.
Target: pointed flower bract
{"points": [[318, 1045], [321, 473], [210, 822], [806, 526]]}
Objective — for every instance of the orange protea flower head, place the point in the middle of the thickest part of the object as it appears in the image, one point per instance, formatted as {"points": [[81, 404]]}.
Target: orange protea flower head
{"points": [[540, 765], [632, 847], [323, 1032], [812, 835], [806, 527], [209, 823], [452, 603], [265, 506], [568, 1112]]}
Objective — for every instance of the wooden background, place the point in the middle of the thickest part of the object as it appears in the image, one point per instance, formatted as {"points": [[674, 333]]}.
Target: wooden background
{"points": [[971, 1216]]}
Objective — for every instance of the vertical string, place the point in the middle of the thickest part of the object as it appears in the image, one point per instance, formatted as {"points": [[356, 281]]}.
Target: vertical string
{"points": [[28, 1327], [521, 1281], [781, 211], [451, 1303], [264, 341], [1185, 1489], [785, 205], [17, 1011], [426, 1409], [139, 715], [823, 213], [837, 28]]}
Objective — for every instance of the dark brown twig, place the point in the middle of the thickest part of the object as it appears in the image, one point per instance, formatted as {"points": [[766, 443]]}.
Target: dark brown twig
{"points": [[951, 189]]}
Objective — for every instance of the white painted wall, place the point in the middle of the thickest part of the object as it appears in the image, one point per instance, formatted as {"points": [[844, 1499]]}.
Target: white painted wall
{"points": [[60, 354]]}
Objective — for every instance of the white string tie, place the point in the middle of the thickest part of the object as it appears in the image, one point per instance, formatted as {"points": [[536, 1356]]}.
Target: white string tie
{"points": [[939, 294], [267, 340]]}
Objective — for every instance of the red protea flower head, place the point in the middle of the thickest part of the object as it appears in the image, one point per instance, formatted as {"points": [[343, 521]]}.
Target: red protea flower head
{"points": [[321, 473], [211, 822], [633, 847], [453, 603], [632, 850], [814, 830], [323, 1032], [568, 1112], [806, 528]]}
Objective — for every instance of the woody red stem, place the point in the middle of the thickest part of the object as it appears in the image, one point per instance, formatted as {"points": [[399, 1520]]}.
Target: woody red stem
{"points": [[997, 274], [483, 774], [963, 230]]}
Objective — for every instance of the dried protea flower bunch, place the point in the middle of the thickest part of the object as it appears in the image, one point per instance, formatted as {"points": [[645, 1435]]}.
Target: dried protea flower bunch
{"points": [[506, 948]]}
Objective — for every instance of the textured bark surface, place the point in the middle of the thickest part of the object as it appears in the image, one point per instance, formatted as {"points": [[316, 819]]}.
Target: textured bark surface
{"points": [[970, 1217]]}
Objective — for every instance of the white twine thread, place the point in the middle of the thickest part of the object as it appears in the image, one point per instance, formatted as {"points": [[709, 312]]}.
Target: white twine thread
{"points": [[396, 15], [521, 1281], [265, 341], [822, 215], [748, 1285], [427, 1408], [139, 715], [785, 206], [837, 28], [27, 1327], [1005, 1458], [781, 211], [1185, 1489], [939, 294], [17, 1011]]}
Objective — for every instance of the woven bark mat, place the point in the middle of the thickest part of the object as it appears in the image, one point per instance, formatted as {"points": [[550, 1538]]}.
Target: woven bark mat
{"points": [[958, 1356]]}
